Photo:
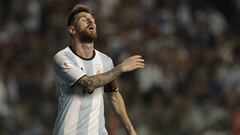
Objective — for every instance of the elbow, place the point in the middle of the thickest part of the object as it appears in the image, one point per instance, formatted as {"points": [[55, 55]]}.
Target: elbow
{"points": [[86, 83]]}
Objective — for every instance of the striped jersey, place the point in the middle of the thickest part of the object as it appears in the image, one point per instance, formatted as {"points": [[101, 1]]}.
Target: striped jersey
{"points": [[79, 112]]}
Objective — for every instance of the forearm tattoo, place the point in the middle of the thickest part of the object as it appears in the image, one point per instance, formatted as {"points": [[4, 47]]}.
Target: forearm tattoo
{"points": [[92, 82]]}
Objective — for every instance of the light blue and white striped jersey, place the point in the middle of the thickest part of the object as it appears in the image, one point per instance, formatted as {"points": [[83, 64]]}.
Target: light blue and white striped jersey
{"points": [[79, 113]]}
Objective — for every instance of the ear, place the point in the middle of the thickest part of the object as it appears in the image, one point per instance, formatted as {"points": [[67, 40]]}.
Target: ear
{"points": [[71, 30]]}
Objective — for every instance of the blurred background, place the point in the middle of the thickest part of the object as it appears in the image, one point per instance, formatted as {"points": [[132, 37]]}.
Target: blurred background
{"points": [[190, 85]]}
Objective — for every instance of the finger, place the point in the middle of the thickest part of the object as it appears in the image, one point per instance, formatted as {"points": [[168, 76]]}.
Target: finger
{"points": [[140, 65], [136, 56], [140, 60]]}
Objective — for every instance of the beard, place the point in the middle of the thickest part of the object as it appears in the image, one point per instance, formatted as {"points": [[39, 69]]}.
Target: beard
{"points": [[88, 36]]}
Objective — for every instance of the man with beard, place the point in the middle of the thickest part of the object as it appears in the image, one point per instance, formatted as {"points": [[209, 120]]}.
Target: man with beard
{"points": [[83, 75]]}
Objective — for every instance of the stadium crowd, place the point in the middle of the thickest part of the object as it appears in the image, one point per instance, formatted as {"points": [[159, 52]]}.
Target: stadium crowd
{"points": [[190, 85]]}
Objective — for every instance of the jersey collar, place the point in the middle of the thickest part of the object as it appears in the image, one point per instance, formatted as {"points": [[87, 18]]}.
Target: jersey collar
{"points": [[94, 53]]}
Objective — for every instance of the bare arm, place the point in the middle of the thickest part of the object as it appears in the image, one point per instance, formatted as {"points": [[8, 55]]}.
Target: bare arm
{"points": [[92, 82], [120, 109]]}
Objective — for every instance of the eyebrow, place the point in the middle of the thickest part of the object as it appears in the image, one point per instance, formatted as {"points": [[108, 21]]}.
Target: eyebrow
{"points": [[92, 17]]}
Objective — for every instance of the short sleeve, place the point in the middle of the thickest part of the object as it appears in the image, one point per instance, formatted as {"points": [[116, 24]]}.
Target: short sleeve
{"points": [[112, 86], [67, 70]]}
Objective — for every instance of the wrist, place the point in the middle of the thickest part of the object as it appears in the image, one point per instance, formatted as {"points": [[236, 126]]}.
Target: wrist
{"points": [[119, 68]]}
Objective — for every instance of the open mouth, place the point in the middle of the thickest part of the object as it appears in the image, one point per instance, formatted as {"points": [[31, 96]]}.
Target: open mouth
{"points": [[91, 28]]}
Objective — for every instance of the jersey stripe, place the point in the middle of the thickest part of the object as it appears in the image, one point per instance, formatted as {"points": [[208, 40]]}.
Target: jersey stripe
{"points": [[85, 108], [97, 95], [64, 103], [101, 128], [70, 123]]}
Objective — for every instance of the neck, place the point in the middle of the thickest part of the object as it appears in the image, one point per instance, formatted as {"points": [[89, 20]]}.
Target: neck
{"points": [[84, 50]]}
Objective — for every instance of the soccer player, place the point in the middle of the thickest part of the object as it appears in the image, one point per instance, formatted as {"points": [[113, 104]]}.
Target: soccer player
{"points": [[83, 75]]}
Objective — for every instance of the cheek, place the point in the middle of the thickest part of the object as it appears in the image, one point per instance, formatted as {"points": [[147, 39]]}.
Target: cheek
{"points": [[81, 26]]}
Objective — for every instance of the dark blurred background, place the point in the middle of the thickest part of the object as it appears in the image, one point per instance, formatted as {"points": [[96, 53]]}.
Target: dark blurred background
{"points": [[190, 85]]}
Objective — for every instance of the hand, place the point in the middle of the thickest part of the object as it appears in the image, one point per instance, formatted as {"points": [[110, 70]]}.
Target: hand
{"points": [[132, 63]]}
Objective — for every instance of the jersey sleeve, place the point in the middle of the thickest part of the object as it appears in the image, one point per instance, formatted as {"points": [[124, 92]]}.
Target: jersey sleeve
{"points": [[112, 86], [67, 70]]}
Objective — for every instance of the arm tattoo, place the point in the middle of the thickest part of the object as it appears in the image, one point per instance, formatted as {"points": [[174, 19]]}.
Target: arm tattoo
{"points": [[92, 82]]}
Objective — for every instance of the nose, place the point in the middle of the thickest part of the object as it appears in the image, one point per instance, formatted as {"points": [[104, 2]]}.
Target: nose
{"points": [[90, 21]]}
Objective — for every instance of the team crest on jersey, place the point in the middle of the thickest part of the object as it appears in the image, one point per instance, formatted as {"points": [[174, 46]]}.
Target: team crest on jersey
{"points": [[98, 68]]}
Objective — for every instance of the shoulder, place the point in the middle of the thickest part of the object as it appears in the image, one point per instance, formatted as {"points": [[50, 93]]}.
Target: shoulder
{"points": [[103, 56], [62, 55], [106, 60]]}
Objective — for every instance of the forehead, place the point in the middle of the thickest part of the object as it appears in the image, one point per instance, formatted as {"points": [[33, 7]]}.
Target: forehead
{"points": [[84, 14]]}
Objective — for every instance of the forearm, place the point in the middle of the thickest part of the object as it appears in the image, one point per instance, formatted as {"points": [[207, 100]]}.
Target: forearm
{"points": [[120, 109], [96, 81], [92, 82]]}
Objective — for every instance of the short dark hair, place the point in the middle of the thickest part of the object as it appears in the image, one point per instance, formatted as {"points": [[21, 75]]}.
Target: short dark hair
{"points": [[77, 9]]}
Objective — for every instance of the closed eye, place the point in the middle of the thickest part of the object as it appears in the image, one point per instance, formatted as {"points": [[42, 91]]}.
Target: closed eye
{"points": [[83, 19]]}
